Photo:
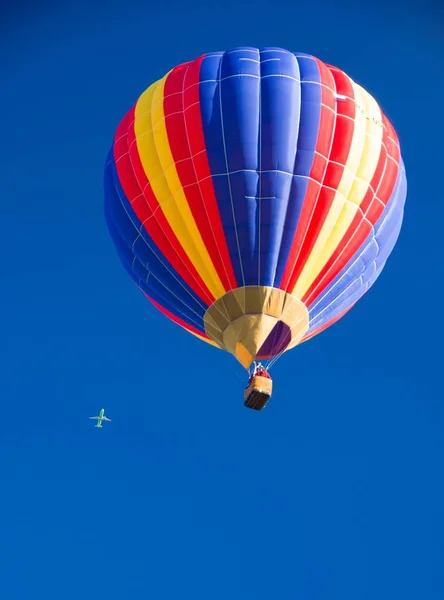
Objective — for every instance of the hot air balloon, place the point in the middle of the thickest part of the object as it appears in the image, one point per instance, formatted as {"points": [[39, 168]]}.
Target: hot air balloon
{"points": [[254, 196]]}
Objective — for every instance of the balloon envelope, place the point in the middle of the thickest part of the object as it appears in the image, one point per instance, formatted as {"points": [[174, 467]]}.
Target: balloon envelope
{"points": [[254, 196]]}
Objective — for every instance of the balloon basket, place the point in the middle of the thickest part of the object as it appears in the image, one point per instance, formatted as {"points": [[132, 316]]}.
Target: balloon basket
{"points": [[258, 392]]}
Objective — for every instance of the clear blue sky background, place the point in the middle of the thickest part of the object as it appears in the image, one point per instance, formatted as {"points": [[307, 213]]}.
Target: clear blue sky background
{"points": [[336, 490]]}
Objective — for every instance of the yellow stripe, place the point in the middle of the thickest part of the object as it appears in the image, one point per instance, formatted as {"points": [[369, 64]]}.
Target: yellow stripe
{"points": [[160, 169], [361, 165]]}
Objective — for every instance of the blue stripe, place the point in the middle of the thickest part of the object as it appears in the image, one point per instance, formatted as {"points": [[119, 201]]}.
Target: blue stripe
{"points": [[280, 100], [311, 98], [149, 285], [260, 127], [366, 265], [140, 256], [230, 128]]}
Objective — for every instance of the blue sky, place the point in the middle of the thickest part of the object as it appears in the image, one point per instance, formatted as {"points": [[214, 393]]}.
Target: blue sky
{"points": [[333, 492]]}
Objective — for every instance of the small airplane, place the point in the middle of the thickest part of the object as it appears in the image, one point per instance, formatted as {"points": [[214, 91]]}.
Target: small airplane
{"points": [[100, 418]]}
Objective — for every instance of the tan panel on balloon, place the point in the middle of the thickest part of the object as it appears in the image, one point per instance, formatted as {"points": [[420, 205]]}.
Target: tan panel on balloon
{"points": [[241, 320]]}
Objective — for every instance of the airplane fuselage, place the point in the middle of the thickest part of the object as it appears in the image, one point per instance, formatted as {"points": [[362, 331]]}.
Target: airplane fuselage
{"points": [[101, 417]]}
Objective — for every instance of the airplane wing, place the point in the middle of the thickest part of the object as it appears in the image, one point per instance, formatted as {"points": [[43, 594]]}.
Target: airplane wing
{"points": [[93, 417], [105, 419]]}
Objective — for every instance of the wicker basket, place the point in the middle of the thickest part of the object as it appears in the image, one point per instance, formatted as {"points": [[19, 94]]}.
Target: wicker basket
{"points": [[258, 392]]}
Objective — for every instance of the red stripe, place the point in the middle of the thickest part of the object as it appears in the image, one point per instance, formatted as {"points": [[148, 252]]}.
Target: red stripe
{"points": [[393, 142], [177, 320], [383, 183], [342, 139], [205, 212], [314, 190], [144, 203], [186, 139]]}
